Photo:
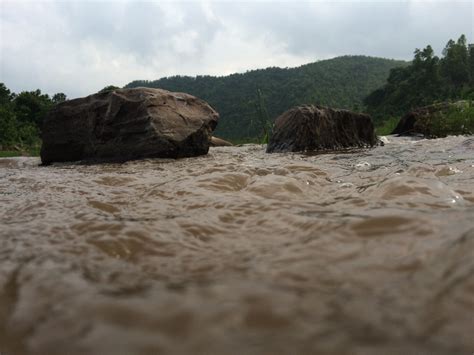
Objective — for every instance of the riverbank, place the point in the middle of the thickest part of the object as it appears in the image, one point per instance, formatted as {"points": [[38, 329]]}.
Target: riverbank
{"points": [[32, 152]]}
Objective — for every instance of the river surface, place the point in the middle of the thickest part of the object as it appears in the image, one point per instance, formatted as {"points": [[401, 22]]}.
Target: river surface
{"points": [[242, 252]]}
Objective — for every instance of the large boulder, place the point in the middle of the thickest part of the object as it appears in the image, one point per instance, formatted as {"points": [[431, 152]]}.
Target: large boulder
{"points": [[128, 124], [438, 120], [313, 128]]}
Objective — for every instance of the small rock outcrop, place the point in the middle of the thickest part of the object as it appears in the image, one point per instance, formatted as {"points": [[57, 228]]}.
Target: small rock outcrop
{"points": [[128, 124], [219, 142], [313, 128], [438, 120]]}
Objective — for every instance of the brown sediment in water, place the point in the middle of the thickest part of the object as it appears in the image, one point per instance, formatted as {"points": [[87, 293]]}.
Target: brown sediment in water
{"points": [[242, 252]]}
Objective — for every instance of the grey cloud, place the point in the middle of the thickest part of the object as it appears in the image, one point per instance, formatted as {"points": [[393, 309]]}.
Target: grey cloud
{"points": [[388, 28], [80, 46], [144, 29]]}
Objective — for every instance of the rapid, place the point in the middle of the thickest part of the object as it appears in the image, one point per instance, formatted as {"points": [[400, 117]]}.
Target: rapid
{"points": [[242, 252]]}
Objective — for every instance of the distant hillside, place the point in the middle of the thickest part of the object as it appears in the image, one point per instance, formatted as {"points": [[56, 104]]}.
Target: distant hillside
{"points": [[341, 82]]}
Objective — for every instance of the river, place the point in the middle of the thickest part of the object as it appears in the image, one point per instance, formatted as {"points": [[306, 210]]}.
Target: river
{"points": [[242, 252]]}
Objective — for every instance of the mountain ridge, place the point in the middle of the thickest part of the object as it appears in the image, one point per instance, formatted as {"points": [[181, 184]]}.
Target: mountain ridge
{"points": [[240, 98]]}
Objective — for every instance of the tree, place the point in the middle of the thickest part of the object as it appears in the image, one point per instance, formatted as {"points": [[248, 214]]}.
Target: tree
{"points": [[8, 127], [455, 64], [6, 96], [341, 82], [108, 88], [471, 64], [8, 124], [21, 116], [427, 80], [32, 107], [59, 97]]}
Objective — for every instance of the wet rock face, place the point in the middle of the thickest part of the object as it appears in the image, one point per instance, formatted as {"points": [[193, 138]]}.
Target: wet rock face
{"points": [[128, 124], [313, 128]]}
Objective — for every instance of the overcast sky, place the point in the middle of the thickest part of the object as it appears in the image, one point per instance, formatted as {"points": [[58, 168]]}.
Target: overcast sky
{"points": [[78, 47]]}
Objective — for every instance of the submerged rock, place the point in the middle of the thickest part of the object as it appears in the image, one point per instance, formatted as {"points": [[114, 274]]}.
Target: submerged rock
{"points": [[438, 120], [312, 128], [219, 142], [128, 124]]}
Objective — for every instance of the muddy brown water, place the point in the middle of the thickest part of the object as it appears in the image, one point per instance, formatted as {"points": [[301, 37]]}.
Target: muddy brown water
{"points": [[242, 252]]}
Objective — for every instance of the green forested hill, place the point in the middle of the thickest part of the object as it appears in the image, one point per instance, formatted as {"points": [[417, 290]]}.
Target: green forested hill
{"points": [[341, 82], [426, 80]]}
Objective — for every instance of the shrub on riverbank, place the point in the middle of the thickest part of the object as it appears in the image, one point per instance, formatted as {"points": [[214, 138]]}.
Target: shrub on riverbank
{"points": [[387, 126], [439, 120], [456, 119]]}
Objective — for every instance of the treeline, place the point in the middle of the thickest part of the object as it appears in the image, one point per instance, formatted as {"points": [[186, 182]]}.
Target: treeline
{"points": [[21, 117], [428, 79], [247, 102], [240, 99]]}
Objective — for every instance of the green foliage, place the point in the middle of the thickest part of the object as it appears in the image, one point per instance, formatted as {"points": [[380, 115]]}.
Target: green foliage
{"points": [[457, 119], [341, 82], [427, 80], [108, 88], [471, 65], [6, 96], [21, 117], [386, 127], [31, 107], [455, 64], [59, 97], [28, 134], [8, 127], [28, 151], [263, 119], [9, 153]]}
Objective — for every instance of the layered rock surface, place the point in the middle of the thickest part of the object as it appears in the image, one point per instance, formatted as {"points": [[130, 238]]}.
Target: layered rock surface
{"points": [[313, 128], [128, 124]]}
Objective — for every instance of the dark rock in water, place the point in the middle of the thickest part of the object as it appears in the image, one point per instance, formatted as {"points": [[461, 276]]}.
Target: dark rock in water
{"points": [[219, 142], [312, 128], [434, 120], [128, 124]]}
